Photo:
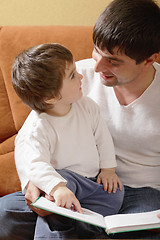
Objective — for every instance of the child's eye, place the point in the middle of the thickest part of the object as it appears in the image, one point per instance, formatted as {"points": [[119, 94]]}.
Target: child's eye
{"points": [[73, 75]]}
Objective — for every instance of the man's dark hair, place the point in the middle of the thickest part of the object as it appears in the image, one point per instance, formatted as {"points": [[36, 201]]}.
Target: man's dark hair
{"points": [[37, 74], [131, 25]]}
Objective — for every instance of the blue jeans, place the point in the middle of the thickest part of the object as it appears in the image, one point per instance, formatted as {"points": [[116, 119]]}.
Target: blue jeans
{"points": [[17, 221], [139, 200], [90, 194]]}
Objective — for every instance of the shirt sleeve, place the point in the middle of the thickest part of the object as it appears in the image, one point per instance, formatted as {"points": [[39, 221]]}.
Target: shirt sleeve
{"points": [[33, 158], [102, 136]]}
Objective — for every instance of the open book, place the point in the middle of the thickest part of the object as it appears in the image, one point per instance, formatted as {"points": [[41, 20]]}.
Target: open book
{"points": [[111, 224]]}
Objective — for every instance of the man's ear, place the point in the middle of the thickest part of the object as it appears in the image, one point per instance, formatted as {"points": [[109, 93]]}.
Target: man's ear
{"points": [[149, 61]]}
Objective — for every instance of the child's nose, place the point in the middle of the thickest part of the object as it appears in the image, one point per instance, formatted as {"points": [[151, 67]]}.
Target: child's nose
{"points": [[80, 76]]}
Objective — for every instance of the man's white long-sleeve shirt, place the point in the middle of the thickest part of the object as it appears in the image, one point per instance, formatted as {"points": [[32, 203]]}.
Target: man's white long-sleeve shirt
{"points": [[79, 141]]}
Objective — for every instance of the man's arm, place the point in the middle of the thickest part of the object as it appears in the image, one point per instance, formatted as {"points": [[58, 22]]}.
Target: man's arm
{"points": [[60, 194]]}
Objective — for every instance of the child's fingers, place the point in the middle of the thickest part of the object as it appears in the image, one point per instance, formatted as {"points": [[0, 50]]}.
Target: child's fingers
{"points": [[120, 184], [114, 187], [77, 206], [99, 180], [110, 186]]}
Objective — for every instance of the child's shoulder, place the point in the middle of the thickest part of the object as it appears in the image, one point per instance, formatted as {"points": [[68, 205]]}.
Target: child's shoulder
{"points": [[88, 104], [33, 122], [87, 100], [35, 128]]}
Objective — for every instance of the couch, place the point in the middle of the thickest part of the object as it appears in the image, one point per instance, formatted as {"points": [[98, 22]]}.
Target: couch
{"points": [[14, 39]]}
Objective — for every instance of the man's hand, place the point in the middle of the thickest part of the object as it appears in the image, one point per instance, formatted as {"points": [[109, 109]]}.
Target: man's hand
{"points": [[156, 230], [64, 197], [31, 195], [109, 179]]}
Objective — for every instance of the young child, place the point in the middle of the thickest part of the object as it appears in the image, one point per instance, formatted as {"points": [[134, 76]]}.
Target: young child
{"points": [[64, 147]]}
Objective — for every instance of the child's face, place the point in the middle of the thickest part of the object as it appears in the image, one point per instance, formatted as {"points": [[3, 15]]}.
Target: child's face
{"points": [[71, 89]]}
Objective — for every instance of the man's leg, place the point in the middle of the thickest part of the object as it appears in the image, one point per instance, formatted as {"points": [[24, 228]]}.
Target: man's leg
{"points": [[140, 200], [17, 221], [55, 227]]}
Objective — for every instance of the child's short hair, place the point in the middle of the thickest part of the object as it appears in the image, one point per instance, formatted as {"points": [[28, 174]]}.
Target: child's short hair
{"points": [[37, 74]]}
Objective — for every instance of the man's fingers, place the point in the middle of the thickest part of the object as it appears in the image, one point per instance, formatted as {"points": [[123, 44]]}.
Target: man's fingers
{"points": [[40, 212], [50, 198]]}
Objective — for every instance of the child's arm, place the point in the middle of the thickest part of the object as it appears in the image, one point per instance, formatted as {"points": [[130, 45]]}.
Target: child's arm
{"points": [[64, 197], [109, 179]]}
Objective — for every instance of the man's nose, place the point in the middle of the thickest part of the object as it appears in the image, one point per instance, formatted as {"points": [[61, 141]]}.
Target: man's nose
{"points": [[99, 65]]}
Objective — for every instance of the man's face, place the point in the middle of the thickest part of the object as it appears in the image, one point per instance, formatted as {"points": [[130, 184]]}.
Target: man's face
{"points": [[117, 68]]}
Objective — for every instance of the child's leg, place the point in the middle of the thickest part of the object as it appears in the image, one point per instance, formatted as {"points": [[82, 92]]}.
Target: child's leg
{"points": [[58, 227], [91, 194], [102, 202]]}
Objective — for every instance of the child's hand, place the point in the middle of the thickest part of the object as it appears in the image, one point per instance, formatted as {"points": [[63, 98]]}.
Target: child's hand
{"points": [[109, 179], [64, 197]]}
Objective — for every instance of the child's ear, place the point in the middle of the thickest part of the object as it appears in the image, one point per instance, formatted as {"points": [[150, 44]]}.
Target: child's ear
{"points": [[51, 100]]}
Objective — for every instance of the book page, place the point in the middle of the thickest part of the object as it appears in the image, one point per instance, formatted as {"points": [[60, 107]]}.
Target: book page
{"points": [[87, 216], [133, 221]]}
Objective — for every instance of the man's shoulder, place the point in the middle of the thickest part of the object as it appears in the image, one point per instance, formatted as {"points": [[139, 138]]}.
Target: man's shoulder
{"points": [[156, 66]]}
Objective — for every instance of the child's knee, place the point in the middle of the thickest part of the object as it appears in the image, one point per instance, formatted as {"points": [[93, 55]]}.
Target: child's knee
{"points": [[119, 196], [113, 202]]}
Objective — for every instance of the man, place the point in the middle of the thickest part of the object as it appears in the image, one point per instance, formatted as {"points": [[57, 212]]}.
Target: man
{"points": [[127, 90], [126, 86], [126, 47]]}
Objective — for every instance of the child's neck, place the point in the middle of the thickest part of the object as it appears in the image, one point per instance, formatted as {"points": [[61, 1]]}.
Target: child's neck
{"points": [[59, 111]]}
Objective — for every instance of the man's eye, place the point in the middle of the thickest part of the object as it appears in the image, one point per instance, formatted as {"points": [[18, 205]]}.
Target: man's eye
{"points": [[113, 63]]}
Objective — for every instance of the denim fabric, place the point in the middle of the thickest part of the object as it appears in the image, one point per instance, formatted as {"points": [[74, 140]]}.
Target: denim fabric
{"points": [[17, 221], [66, 229], [92, 196], [140, 200]]}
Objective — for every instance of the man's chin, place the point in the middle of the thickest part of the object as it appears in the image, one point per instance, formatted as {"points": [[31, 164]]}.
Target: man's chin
{"points": [[108, 83]]}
